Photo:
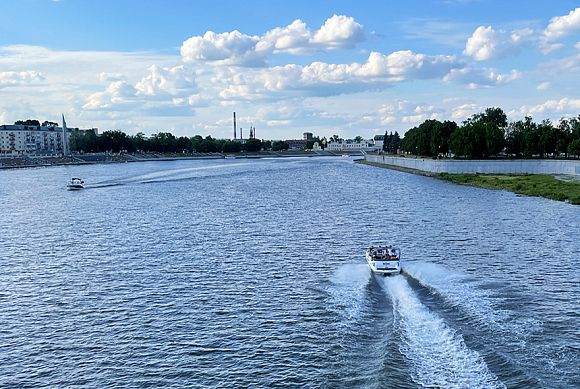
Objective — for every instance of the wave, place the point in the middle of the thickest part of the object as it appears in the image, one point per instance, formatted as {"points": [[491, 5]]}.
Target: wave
{"points": [[437, 354], [348, 291], [456, 289]]}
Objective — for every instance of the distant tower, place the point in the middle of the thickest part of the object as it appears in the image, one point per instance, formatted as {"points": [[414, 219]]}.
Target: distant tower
{"points": [[235, 126], [251, 133], [64, 138], [254, 132], [241, 134]]}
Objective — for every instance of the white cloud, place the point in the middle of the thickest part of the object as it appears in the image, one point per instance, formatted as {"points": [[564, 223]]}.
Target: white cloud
{"points": [[339, 31], [482, 44], [173, 81], [236, 48], [564, 106], [320, 78], [545, 85], [476, 77], [486, 43], [293, 39], [407, 113], [117, 94], [17, 78], [228, 48], [463, 111], [561, 26]]}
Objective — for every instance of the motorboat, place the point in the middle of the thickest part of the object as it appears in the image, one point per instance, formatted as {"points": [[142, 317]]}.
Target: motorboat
{"points": [[75, 183], [384, 260]]}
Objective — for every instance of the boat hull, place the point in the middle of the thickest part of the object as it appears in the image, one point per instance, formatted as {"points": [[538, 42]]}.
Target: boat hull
{"points": [[385, 267], [75, 187]]}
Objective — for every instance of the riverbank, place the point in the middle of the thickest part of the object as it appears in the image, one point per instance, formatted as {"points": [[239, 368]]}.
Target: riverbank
{"points": [[538, 185], [105, 158]]}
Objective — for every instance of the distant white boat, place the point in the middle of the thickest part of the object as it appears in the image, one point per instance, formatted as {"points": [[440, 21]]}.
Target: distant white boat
{"points": [[75, 183], [384, 260], [230, 156]]}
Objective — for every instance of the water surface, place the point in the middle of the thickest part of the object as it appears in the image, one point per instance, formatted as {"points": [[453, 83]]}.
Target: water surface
{"points": [[251, 273]]}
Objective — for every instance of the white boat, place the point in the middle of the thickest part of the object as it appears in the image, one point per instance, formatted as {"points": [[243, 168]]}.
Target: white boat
{"points": [[75, 183], [384, 260]]}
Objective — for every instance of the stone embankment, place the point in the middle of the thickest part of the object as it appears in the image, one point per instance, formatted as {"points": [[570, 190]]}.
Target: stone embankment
{"points": [[508, 166]]}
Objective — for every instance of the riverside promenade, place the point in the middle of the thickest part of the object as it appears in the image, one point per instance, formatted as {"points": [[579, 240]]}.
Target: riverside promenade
{"points": [[507, 166]]}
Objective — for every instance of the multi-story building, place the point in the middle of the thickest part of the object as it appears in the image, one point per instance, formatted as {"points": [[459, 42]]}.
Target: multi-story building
{"points": [[351, 145], [21, 139]]}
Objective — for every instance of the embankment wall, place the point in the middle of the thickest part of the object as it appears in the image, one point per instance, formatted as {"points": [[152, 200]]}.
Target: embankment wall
{"points": [[512, 166]]}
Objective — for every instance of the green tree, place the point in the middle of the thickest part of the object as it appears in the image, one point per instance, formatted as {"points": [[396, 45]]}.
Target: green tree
{"points": [[29, 122], [280, 145], [574, 148], [253, 145]]}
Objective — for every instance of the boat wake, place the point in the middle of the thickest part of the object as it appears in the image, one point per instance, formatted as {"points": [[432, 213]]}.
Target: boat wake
{"points": [[348, 289], [457, 290], [169, 175], [437, 354]]}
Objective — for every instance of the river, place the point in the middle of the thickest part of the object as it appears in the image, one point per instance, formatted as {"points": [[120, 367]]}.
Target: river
{"points": [[251, 273]]}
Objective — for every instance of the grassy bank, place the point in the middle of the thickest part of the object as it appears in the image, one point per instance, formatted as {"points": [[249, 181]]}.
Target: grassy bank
{"points": [[540, 185]]}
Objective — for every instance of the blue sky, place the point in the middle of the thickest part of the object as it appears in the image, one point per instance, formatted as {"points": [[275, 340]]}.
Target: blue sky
{"points": [[330, 67]]}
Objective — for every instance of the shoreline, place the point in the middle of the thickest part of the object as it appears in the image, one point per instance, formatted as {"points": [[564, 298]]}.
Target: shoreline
{"points": [[103, 159], [547, 186]]}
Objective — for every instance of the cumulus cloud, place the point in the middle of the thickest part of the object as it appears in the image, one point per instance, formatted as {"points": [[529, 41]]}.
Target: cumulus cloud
{"points": [[228, 48], [561, 26], [236, 48], [320, 78], [475, 77], [394, 67], [293, 39], [339, 32], [117, 94], [407, 113], [172, 81], [17, 78], [464, 111], [486, 43], [563, 106]]}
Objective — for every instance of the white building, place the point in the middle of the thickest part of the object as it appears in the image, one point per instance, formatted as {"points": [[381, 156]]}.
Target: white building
{"points": [[21, 139], [351, 145], [379, 141]]}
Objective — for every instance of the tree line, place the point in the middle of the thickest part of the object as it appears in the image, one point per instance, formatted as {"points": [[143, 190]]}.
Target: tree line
{"points": [[165, 142], [488, 134]]}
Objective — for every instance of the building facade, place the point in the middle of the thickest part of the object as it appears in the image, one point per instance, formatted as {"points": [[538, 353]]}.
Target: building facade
{"points": [[351, 145], [20, 139]]}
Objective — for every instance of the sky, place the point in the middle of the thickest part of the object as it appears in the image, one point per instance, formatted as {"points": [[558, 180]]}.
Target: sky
{"points": [[350, 68]]}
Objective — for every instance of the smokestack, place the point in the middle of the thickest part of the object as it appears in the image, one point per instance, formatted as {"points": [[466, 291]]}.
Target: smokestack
{"points": [[234, 125], [241, 134]]}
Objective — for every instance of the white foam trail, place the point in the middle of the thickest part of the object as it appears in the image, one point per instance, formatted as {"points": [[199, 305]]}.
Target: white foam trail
{"points": [[348, 290], [456, 289], [436, 353]]}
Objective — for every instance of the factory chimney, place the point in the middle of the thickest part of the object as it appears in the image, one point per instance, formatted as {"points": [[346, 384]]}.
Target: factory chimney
{"points": [[234, 125]]}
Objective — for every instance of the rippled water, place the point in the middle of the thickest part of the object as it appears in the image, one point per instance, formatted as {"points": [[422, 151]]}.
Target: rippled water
{"points": [[250, 273]]}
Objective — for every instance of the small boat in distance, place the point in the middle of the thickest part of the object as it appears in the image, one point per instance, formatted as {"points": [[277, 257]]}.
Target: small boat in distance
{"points": [[75, 183], [384, 260]]}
